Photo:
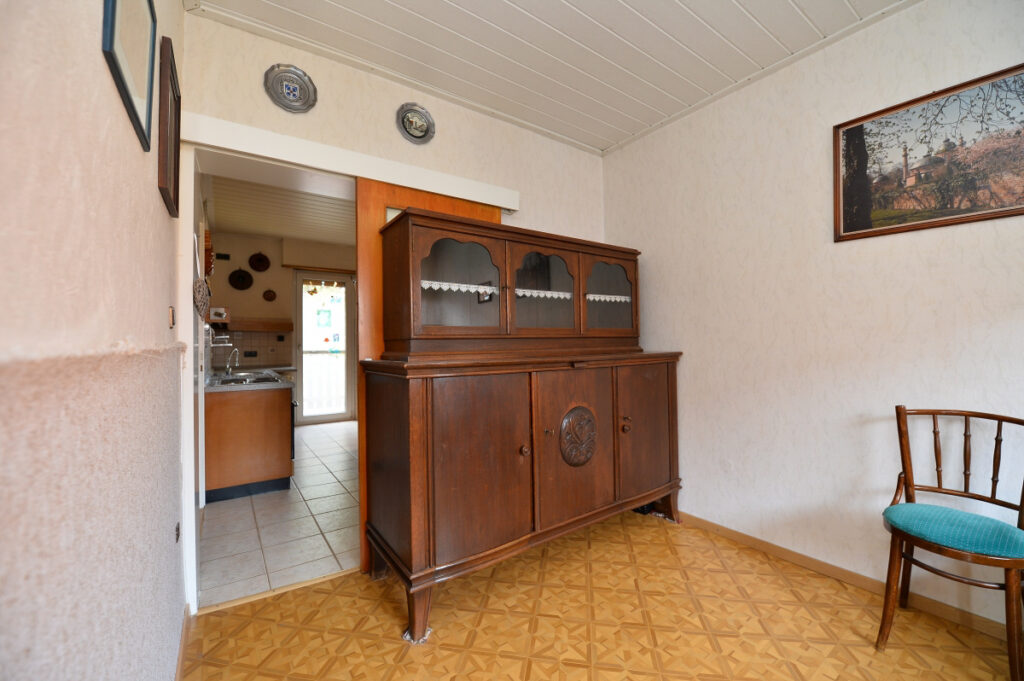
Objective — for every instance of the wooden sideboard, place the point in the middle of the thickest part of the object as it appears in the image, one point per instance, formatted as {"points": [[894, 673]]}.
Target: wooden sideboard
{"points": [[513, 403]]}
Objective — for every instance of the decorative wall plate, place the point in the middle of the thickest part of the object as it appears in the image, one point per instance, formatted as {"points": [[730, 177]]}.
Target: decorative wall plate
{"points": [[259, 262], [270, 295], [240, 279], [415, 123], [290, 88]]}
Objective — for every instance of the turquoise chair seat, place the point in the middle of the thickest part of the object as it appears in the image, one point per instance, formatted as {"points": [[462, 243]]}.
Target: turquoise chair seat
{"points": [[957, 529]]}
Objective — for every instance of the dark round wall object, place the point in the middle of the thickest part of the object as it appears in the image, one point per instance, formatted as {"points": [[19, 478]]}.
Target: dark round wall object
{"points": [[259, 262], [240, 279], [269, 295]]}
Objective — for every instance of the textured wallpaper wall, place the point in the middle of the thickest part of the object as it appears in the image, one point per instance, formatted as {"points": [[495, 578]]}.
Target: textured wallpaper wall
{"points": [[560, 186], [797, 348], [90, 477], [90, 572]]}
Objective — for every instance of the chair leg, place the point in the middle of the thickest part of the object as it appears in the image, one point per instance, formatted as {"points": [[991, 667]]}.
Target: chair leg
{"points": [[892, 578], [905, 582], [1013, 623]]}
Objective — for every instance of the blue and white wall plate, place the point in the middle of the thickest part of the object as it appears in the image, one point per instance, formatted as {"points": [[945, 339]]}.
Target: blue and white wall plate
{"points": [[290, 88]]}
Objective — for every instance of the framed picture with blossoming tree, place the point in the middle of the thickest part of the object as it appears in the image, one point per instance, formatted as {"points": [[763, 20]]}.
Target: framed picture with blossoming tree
{"points": [[953, 156]]}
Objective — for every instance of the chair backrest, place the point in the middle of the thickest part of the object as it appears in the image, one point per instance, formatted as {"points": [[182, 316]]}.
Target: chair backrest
{"points": [[954, 485]]}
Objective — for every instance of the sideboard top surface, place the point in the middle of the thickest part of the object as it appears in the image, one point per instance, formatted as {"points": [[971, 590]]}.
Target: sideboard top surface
{"points": [[428, 218]]}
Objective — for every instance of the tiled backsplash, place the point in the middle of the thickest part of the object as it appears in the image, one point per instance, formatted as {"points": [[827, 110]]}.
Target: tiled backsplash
{"points": [[270, 352]]}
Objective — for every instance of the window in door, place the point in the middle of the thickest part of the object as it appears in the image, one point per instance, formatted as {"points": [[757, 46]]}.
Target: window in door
{"points": [[326, 372]]}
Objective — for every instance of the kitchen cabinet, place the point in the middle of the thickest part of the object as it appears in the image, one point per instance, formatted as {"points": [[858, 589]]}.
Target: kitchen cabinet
{"points": [[512, 403], [248, 441]]}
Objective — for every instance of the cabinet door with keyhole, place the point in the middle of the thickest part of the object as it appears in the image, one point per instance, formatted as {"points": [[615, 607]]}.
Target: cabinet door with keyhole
{"points": [[643, 427], [575, 464], [482, 463]]}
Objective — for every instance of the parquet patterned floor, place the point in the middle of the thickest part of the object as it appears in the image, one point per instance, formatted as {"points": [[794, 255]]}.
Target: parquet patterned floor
{"points": [[633, 597]]}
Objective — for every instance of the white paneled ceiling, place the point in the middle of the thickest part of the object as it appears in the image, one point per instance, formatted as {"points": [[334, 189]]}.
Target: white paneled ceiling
{"points": [[243, 207], [594, 73]]}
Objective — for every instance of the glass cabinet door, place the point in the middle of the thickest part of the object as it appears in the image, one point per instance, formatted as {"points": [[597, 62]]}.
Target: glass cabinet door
{"points": [[545, 290], [610, 294], [459, 283]]}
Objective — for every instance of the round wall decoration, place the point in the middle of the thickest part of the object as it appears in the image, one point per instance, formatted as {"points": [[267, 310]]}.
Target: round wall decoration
{"points": [[578, 436], [290, 88], [270, 295], [415, 123], [259, 262], [240, 279]]}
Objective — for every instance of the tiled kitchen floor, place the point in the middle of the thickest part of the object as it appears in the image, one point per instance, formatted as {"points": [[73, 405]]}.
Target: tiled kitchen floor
{"points": [[262, 542]]}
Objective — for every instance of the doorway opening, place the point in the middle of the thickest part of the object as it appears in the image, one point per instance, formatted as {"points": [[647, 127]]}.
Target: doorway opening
{"points": [[288, 496]]}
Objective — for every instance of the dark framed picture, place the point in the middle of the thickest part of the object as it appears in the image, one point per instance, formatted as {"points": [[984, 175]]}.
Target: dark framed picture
{"points": [[129, 39], [484, 295], [953, 156], [169, 135]]}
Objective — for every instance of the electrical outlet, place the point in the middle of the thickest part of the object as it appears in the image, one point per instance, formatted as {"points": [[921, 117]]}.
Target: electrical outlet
{"points": [[250, 353], [177, 532]]}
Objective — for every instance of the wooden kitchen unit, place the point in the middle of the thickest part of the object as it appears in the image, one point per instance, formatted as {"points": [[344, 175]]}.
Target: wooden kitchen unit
{"points": [[248, 442], [512, 404]]}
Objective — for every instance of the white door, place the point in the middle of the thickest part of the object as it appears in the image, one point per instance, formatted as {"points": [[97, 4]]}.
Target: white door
{"points": [[326, 347]]}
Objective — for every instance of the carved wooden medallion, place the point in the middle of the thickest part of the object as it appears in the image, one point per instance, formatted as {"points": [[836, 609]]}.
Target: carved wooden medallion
{"points": [[578, 437]]}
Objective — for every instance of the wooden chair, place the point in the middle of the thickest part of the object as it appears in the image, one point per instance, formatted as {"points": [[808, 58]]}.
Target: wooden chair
{"points": [[952, 532]]}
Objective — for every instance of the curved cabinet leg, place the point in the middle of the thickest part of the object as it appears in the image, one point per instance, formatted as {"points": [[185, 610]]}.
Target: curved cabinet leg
{"points": [[905, 582], [667, 505], [419, 611], [892, 579]]}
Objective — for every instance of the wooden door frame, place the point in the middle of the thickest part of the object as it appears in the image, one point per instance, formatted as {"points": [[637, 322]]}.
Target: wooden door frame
{"points": [[373, 198]]}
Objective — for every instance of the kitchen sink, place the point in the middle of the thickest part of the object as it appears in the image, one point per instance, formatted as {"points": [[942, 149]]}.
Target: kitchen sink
{"points": [[244, 378]]}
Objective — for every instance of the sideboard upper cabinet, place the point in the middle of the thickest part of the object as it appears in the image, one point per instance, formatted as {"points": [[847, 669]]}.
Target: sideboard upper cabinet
{"points": [[455, 285]]}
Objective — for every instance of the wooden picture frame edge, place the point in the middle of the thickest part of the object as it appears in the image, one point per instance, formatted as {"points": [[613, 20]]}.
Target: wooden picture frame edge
{"points": [[169, 138]]}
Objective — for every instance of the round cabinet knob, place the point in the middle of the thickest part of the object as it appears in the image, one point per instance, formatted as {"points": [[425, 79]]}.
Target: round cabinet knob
{"points": [[524, 450], [626, 428]]}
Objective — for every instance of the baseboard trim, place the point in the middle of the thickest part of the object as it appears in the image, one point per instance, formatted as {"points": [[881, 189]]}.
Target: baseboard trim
{"points": [[186, 631], [922, 603], [247, 489]]}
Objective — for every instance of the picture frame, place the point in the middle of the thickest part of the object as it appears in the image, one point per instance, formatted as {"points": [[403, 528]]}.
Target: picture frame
{"points": [[169, 135], [482, 296], [949, 157], [129, 40]]}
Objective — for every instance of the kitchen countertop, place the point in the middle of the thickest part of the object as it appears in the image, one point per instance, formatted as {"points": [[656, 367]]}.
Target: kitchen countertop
{"points": [[213, 382]]}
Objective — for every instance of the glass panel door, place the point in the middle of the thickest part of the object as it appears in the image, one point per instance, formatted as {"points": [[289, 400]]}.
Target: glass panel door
{"points": [[325, 386], [545, 291], [609, 295], [460, 283]]}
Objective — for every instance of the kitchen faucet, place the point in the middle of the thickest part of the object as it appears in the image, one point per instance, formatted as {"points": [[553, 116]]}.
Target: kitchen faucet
{"points": [[234, 353]]}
